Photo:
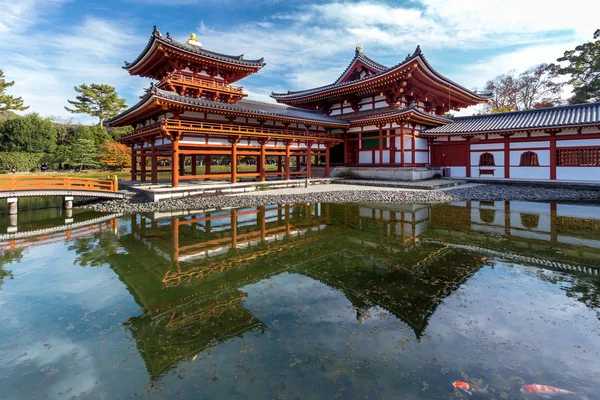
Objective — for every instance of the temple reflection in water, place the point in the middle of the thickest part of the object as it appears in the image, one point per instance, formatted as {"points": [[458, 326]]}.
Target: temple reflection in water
{"points": [[191, 268]]}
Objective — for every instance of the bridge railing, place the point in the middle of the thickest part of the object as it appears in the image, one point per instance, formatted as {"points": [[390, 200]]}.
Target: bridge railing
{"points": [[25, 182]]}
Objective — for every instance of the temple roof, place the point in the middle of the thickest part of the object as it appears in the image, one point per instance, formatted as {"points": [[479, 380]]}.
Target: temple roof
{"points": [[157, 40], [250, 108], [393, 114], [360, 57], [536, 119], [383, 72]]}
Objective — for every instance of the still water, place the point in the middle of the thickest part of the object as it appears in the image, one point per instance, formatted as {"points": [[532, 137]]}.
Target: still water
{"points": [[302, 302]]}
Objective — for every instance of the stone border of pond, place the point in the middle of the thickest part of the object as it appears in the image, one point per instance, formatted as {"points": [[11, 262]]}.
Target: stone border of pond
{"points": [[344, 193]]}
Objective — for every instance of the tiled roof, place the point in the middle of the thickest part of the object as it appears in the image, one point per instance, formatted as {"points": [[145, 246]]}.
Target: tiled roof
{"points": [[541, 118], [366, 60], [249, 107], [168, 40], [416, 54], [392, 112]]}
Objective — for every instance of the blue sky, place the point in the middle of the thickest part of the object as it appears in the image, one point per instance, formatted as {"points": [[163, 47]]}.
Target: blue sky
{"points": [[49, 46]]}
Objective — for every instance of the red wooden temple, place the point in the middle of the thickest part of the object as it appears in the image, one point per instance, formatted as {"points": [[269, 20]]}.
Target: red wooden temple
{"points": [[371, 116]]}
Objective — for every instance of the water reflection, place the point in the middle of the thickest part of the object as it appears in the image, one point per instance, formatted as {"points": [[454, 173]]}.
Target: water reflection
{"points": [[200, 280]]}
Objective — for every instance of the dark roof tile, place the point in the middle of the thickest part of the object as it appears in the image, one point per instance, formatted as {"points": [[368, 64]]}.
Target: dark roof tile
{"points": [[541, 118]]}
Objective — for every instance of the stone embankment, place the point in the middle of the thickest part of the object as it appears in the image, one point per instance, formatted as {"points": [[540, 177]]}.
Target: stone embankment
{"points": [[138, 203]]}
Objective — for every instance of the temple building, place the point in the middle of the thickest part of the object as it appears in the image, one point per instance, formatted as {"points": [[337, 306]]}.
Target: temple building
{"points": [[394, 117]]}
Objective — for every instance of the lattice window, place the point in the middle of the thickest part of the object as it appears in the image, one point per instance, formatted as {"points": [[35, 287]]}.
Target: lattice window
{"points": [[486, 160], [578, 157], [529, 159]]}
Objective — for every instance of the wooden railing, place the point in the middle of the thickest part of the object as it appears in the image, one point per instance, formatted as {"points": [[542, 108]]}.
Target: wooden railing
{"points": [[204, 83], [15, 183], [211, 127]]}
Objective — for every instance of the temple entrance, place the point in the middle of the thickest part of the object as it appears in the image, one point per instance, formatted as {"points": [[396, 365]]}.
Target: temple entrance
{"points": [[336, 154]]}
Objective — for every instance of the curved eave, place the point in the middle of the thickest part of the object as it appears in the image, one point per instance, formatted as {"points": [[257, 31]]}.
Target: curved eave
{"points": [[510, 131], [361, 59], [417, 61], [153, 102], [157, 39], [405, 115]]}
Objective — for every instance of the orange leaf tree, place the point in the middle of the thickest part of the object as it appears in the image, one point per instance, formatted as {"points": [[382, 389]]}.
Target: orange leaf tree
{"points": [[114, 155]]}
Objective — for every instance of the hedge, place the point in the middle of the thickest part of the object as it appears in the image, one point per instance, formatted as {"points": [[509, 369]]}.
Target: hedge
{"points": [[22, 162]]}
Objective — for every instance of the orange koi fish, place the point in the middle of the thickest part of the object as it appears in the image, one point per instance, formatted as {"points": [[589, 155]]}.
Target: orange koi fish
{"points": [[544, 391], [464, 386]]}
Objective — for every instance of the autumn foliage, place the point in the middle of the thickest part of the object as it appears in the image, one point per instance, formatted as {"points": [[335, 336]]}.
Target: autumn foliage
{"points": [[114, 155]]}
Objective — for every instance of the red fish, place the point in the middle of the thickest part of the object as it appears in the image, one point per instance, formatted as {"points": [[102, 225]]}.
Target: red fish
{"points": [[464, 386], [544, 391]]}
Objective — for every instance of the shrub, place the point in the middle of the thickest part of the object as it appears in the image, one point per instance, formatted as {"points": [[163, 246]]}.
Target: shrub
{"points": [[22, 162]]}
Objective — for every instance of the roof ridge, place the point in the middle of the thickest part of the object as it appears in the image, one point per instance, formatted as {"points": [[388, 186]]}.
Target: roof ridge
{"points": [[529, 111]]}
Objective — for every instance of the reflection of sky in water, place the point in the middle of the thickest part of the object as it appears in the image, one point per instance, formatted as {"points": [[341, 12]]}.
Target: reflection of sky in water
{"points": [[62, 335], [67, 331]]}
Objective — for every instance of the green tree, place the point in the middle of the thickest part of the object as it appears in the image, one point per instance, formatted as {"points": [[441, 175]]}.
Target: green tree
{"points": [[583, 66], [31, 134], [83, 153], [94, 133], [62, 155], [97, 100], [8, 102]]}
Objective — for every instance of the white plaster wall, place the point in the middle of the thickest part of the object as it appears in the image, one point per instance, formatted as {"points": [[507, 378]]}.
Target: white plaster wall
{"points": [[354, 129], [398, 157], [371, 128], [192, 139], [458, 172], [407, 143], [487, 146], [368, 106], [336, 112], [530, 172], [381, 104], [578, 173], [377, 157], [421, 157], [386, 156], [218, 141], [421, 143], [365, 100], [364, 157], [543, 157], [379, 98], [407, 157], [528, 145], [580, 142]]}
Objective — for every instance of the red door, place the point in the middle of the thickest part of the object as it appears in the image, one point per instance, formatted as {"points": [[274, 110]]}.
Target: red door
{"points": [[449, 155]]}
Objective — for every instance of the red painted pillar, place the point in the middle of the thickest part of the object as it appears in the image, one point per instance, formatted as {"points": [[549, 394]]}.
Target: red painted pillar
{"points": [[133, 163], [327, 168], [506, 156], [308, 161], [402, 145], [174, 167], [263, 160], [154, 165], [553, 156]]}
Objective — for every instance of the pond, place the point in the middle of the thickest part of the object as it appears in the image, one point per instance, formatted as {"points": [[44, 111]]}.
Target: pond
{"points": [[302, 301]]}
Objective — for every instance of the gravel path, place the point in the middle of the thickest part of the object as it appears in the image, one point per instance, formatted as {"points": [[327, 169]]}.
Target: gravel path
{"points": [[351, 194]]}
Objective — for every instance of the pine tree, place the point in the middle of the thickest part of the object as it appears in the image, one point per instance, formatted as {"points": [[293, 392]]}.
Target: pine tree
{"points": [[97, 100], [8, 102]]}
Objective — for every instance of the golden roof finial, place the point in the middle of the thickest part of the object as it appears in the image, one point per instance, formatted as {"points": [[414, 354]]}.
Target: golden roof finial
{"points": [[193, 41]]}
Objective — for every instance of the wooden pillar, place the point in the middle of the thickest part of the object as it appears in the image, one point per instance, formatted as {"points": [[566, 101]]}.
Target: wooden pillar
{"points": [[234, 149], [207, 163], [174, 158], [194, 167], [380, 144], [154, 164], [412, 145], [263, 160], [402, 145], [553, 156], [143, 163], [506, 157], [345, 148], [553, 222], [175, 225], [507, 217], [468, 157], [308, 157], [133, 163], [327, 167], [234, 228], [181, 164], [263, 223], [287, 161]]}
